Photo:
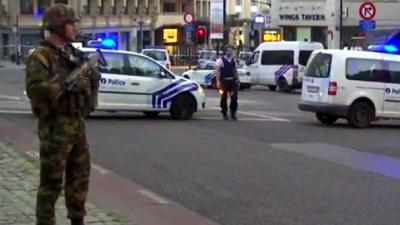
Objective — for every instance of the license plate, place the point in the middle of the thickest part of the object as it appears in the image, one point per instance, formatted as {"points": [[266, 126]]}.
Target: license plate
{"points": [[312, 89]]}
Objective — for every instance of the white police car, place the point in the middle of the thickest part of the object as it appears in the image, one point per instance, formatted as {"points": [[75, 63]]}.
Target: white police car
{"points": [[205, 75], [359, 86], [135, 82]]}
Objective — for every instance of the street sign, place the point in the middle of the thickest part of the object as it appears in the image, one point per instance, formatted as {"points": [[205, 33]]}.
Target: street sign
{"points": [[367, 10], [188, 18], [189, 28], [259, 20], [366, 25]]}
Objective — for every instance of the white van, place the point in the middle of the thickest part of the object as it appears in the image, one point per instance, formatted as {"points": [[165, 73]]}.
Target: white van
{"points": [[359, 86], [280, 64]]}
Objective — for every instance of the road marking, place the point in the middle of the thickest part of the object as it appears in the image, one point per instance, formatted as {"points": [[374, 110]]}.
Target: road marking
{"points": [[155, 197], [100, 169], [15, 112], [379, 164], [13, 98], [269, 118], [34, 155]]}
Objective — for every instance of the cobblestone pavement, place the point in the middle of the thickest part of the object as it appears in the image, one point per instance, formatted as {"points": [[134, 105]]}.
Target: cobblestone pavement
{"points": [[19, 177]]}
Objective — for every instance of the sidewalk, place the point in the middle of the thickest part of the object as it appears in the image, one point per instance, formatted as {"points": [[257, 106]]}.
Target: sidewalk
{"points": [[18, 185], [5, 64]]}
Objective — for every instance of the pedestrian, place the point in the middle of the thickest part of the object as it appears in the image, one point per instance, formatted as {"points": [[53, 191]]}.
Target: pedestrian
{"points": [[228, 82], [61, 112]]}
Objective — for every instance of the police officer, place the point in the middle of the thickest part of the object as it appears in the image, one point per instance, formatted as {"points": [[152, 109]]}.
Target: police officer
{"points": [[228, 82], [61, 128]]}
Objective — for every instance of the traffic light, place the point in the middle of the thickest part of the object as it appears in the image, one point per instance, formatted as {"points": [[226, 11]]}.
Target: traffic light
{"points": [[201, 34]]}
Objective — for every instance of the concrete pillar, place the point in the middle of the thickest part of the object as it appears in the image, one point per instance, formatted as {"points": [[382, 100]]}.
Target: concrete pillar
{"points": [[332, 18], [201, 8], [246, 9]]}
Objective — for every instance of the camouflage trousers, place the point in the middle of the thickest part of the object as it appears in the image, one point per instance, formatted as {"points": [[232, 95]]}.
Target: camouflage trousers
{"points": [[63, 151]]}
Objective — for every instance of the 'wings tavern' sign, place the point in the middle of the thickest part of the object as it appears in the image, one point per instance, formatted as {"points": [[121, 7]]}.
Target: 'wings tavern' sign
{"points": [[304, 17]]}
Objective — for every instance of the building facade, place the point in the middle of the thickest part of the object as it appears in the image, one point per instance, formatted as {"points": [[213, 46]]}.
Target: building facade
{"points": [[318, 20], [128, 22]]}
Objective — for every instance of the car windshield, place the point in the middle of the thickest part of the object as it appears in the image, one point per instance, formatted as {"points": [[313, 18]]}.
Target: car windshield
{"points": [[208, 55], [206, 66], [156, 55]]}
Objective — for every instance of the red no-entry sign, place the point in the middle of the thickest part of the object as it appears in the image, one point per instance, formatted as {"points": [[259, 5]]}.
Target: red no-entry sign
{"points": [[367, 11]]}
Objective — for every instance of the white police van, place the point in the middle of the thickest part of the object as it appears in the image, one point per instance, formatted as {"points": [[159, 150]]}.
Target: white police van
{"points": [[280, 64], [359, 86], [135, 82]]}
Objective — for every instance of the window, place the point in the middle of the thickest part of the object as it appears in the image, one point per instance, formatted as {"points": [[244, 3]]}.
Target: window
{"points": [[254, 58], [43, 5], [320, 66], [61, 1], [365, 70], [26, 7], [169, 7], [140, 66], [304, 56], [277, 58], [238, 2], [115, 64], [206, 66], [394, 70]]}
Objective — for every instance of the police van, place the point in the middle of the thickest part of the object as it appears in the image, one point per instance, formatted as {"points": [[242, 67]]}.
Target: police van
{"points": [[280, 64], [359, 86], [135, 82]]}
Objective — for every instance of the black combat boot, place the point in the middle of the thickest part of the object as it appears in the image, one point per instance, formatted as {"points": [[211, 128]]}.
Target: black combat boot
{"points": [[233, 116], [225, 116], [77, 221]]}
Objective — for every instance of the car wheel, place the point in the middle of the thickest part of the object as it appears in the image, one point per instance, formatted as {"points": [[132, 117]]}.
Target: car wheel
{"points": [[248, 86], [151, 114], [360, 114], [272, 87], [183, 107], [326, 119], [283, 85], [242, 87]]}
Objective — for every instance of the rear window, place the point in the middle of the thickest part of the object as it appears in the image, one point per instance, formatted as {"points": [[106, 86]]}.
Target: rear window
{"points": [[277, 58], [365, 70], [320, 66], [304, 56], [156, 55]]}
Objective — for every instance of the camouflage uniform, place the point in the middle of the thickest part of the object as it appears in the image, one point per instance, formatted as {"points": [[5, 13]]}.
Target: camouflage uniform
{"points": [[63, 144]]}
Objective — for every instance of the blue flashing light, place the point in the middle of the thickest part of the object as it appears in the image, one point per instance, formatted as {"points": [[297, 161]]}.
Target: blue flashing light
{"points": [[108, 43], [390, 48]]}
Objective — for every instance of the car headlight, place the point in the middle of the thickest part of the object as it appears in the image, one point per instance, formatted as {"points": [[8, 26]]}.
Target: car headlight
{"points": [[200, 89]]}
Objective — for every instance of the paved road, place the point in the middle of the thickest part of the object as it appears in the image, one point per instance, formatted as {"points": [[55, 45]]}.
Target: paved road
{"points": [[276, 165]]}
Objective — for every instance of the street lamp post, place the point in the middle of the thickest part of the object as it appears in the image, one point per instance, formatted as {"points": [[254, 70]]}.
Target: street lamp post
{"points": [[340, 24], [140, 42]]}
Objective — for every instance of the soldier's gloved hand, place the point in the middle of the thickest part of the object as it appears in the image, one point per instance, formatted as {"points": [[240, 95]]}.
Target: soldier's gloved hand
{"points": [[83, 84], [55, 89]]}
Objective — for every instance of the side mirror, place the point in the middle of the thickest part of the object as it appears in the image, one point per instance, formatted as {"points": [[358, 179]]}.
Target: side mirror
{"points": [[164, 74]]}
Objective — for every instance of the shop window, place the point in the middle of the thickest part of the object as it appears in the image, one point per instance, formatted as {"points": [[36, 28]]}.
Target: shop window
{"points": [[238, 2], [26, 7], [61, 1], [169, 7]]}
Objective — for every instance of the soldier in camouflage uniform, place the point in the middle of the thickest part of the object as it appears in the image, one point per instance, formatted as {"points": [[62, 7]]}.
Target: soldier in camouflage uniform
{"points": [[63, 145]]}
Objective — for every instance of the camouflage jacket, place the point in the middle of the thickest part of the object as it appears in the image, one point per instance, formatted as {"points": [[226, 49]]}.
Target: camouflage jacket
{"points": [[49, 64]]}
